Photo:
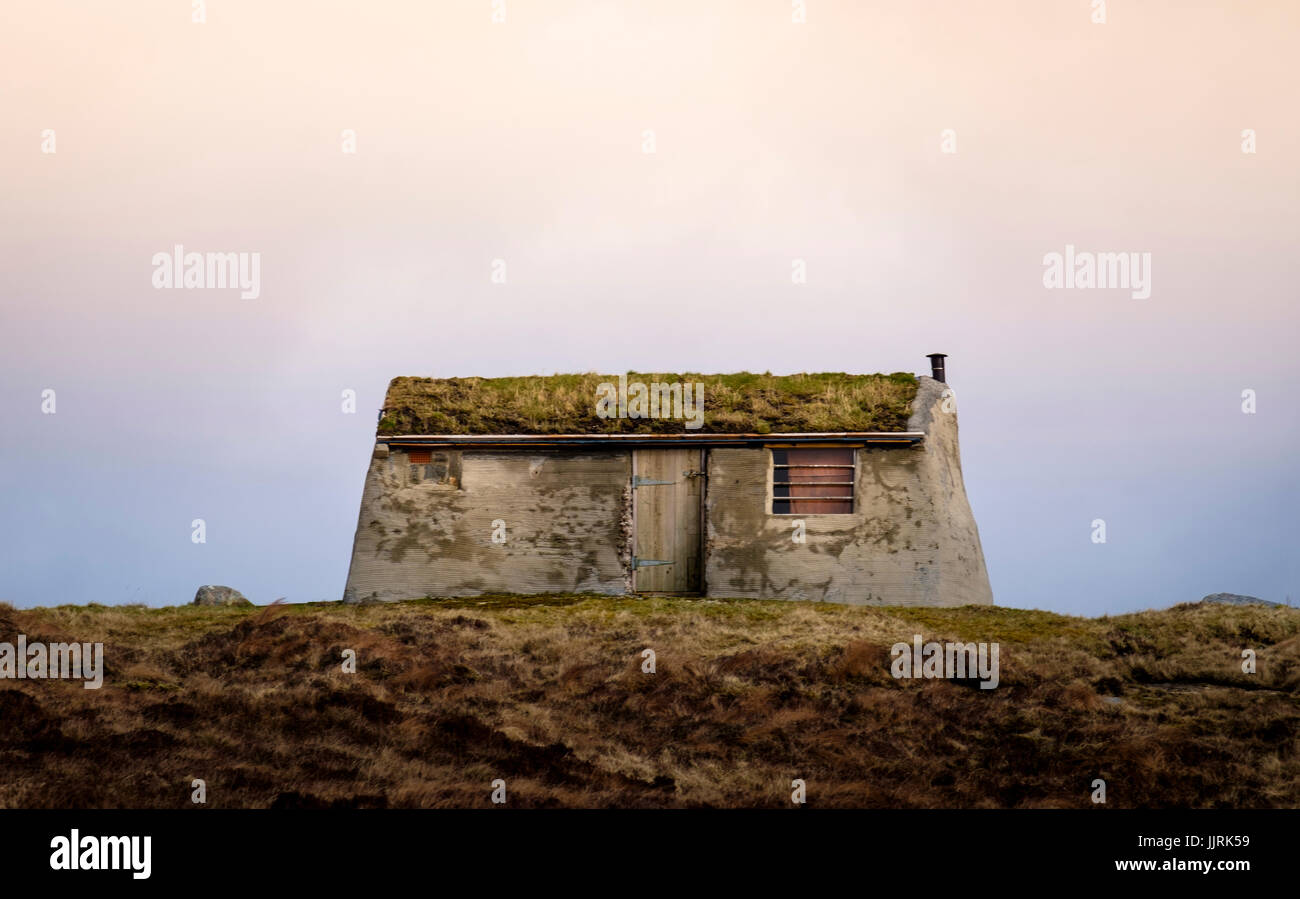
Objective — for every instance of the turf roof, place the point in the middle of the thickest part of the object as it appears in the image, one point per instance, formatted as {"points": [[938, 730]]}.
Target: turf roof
{"points": [[737, 403]]}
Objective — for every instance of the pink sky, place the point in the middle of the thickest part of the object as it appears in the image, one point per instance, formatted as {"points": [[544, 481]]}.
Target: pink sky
{"points": [[523, 140]]}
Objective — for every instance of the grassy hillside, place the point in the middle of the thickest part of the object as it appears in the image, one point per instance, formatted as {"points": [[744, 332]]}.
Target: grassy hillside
{"points": [[549, 695]]}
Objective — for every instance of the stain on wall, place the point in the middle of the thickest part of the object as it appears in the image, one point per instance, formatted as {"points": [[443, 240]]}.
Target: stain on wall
{"points": [[911, 539], [426, 527]]}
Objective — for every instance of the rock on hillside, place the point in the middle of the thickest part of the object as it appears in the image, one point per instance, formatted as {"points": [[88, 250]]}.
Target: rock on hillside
{"points": [[1238, 599], [215, 595]]}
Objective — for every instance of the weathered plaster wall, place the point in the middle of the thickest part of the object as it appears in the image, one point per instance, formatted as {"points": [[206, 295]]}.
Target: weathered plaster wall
{"points": [[910, 541], [427, 529]]}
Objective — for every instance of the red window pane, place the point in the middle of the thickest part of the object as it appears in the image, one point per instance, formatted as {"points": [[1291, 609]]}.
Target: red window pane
{"points": [[799, 475]]}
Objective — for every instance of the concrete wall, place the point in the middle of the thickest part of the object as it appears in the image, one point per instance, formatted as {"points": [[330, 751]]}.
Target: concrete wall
{"points": [[910, 541], [427, 529]]}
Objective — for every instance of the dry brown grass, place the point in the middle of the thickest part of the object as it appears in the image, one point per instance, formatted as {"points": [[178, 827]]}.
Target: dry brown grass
{"points": [[549, 695], [566, 404]]}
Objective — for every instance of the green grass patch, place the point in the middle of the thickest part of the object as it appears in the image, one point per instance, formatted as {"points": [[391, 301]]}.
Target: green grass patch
{"points": [[737, 403]]}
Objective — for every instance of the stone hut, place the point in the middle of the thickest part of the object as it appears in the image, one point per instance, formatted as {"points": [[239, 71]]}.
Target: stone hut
{"points": [[830, 487]]}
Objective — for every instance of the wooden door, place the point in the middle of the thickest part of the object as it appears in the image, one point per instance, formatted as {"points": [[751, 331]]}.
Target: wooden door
{"points": [[667, 488]]}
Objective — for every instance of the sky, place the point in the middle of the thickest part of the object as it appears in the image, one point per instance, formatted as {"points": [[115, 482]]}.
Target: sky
{"points": [[647, 175]]}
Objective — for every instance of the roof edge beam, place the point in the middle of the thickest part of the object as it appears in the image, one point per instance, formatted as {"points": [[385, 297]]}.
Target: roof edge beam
{"points": [[867, 438]]}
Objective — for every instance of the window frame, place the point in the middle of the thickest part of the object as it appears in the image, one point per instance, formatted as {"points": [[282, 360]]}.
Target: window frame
{"points": [[772, 498]]}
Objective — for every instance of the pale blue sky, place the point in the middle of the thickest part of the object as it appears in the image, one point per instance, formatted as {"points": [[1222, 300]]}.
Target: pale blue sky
{"points": [[523, 141]]}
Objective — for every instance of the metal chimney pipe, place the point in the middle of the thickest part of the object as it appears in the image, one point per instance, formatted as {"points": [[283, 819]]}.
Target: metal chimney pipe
{"points": [[936, 366]]}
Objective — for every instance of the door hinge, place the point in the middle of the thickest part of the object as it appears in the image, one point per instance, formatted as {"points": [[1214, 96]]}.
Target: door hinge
{"points": [[648, 563], [638, 481]]}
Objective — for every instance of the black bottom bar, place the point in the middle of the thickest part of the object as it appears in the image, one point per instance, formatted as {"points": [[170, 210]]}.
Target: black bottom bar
{"points": [[660, 850]]}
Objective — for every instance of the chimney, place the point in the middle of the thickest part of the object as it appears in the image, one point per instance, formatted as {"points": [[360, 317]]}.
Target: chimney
{"points": [[936, 366]]}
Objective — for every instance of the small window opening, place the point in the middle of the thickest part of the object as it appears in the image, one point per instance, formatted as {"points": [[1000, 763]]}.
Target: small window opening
{"points": [[812, 481]]}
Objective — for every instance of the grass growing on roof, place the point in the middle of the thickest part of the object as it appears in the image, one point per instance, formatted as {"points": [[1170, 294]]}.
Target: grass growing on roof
{"points": [[566, 404]]}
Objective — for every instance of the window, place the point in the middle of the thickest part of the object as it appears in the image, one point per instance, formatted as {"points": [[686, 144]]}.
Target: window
{"points": [[428, 467], [812, 481]]}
